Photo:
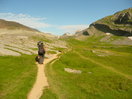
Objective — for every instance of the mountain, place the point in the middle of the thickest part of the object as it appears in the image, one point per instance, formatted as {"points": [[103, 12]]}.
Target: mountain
{"points": [[14, 25], [118, 24], [66, 35], [17, 39]]}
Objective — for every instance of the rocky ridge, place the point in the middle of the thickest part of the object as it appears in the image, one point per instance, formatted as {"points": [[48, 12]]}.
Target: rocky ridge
{"points": [[118, 24]]}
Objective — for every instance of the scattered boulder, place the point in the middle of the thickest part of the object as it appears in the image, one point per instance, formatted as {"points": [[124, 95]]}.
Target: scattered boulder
{"points": [[69, 70]]}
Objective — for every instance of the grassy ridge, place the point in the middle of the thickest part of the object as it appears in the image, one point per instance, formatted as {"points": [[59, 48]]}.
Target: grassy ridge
{"points": [[96, 81], [17, 75]]}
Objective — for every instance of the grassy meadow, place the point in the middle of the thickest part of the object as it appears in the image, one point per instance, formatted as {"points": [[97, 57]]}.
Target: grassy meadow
{"points": [[106, 72], [17, 75]]}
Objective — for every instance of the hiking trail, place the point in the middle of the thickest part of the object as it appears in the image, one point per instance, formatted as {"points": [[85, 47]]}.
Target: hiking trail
{"points": [[41, 79]]}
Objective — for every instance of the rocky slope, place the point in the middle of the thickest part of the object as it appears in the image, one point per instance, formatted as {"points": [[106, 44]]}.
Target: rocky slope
{"points": [[119, 24], [17, 39]]}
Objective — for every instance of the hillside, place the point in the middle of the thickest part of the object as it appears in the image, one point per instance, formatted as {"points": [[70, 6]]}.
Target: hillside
{"points": [[97, 64], [11, 25], [118, 25], [17, 39], [90, 70], [18, 49]]}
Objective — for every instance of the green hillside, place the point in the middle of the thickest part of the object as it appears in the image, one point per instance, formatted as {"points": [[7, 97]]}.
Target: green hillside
{"points": [[106, 71], [105, 67]]}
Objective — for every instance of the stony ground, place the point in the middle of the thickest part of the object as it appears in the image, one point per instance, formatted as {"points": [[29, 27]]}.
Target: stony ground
{"points": [[18, 42]]}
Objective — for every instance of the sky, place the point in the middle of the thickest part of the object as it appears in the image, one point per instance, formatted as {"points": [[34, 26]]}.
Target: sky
{"points": [[59, 16]]}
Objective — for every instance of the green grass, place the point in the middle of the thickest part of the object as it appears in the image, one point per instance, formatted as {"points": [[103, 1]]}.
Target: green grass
{"points": [[120, 61], [109, 77], [51, 52], [59, 49], [48, 94], [17, 75]]}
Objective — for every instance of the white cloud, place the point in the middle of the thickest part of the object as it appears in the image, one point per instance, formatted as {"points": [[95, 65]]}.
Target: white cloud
{"points": [[25, 19], [38, 23], [73, 28]]}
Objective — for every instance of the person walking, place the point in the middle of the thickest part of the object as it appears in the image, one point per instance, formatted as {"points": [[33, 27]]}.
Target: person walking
{"points": [[41, 52]]}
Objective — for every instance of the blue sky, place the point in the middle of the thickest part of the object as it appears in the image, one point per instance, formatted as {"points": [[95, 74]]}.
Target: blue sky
{"points": [[59, 16]]}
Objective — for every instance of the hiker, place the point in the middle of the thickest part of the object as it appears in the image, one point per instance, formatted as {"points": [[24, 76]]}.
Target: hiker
{"points": [[41, 52]]}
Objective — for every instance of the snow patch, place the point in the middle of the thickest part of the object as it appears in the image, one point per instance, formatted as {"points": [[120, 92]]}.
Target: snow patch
{"points": [[108, 33], [130, 37]]}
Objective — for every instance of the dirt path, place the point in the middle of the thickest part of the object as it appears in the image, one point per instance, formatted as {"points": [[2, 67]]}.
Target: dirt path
{"points": [[106, 67], [41, 80]]}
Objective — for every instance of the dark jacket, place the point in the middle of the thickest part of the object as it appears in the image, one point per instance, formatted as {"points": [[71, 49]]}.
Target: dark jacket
{"points": [[41, 51]]}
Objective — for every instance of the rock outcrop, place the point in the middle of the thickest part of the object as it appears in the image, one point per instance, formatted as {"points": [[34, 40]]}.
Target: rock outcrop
{"points": [[119, 24]]}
